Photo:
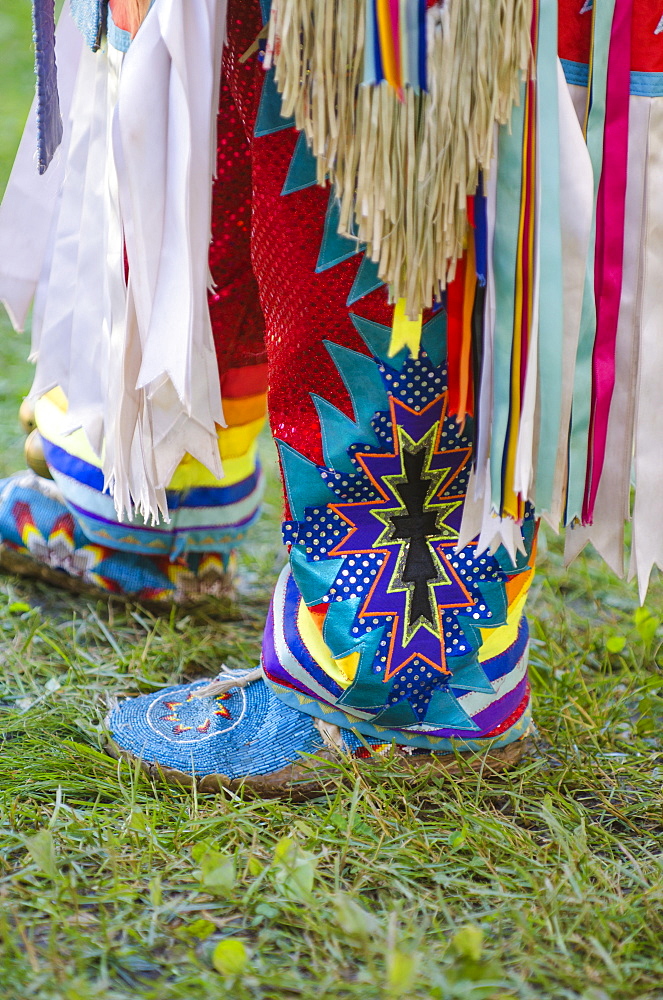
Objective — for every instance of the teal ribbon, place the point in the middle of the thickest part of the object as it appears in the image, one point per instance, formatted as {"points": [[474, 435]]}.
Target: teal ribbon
{"points": [[505, 252], [551, 309], [582, 385]]}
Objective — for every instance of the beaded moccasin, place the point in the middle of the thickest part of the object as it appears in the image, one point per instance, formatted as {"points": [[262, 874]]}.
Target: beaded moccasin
{"points": [[236, 733], [41, 538]]}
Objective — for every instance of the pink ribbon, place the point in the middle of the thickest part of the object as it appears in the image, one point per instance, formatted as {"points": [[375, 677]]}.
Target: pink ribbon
{"points": [[609, 251]]}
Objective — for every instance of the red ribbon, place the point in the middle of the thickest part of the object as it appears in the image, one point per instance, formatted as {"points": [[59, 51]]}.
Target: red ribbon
{"points": [[455, 301]]}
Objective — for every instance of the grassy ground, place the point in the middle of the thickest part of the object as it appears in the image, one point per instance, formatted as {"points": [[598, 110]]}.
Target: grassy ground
{"points": [[547, 883]]}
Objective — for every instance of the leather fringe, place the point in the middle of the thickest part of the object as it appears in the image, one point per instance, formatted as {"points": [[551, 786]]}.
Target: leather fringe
{"points": [[402, 168]]}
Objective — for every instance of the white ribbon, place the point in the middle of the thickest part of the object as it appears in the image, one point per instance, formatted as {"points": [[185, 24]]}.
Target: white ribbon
{"points": [[577, 187], [164, 147], [647, 549], [613, 498], [137, 363]]}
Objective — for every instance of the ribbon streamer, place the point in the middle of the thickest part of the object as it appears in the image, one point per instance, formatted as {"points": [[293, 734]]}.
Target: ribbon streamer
{"points": [[602, 15], [396, 44], [504, 258], [648, 508], [609, 244], [49, 119], [549, 265]]}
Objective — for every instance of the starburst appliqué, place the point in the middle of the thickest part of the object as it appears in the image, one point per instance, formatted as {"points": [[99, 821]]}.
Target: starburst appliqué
{"points": [[414, 521]]}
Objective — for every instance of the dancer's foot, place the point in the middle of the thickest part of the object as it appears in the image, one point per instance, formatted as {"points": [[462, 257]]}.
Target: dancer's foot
{"points": [[40, 538], [234, 732], [61, 525]]}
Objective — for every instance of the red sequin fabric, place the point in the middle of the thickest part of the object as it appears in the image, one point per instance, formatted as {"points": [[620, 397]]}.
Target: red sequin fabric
{"points": [[237, 321], [301, 308]]}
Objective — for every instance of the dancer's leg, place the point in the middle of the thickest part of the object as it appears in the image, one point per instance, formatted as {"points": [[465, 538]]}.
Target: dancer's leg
{"points": [[378, 626], [67, 531]]}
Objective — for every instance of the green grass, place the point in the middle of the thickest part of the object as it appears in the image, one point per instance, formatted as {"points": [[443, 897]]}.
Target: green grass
{"points": [[546, 883], [16, 78], [16, 89]]}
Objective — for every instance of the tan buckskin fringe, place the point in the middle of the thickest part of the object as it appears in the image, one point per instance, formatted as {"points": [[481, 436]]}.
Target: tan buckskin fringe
{"points": [[402, 169]]}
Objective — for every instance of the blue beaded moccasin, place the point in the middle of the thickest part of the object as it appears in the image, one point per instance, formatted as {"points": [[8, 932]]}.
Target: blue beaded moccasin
{"points": [[234, 733], [41, 538]]}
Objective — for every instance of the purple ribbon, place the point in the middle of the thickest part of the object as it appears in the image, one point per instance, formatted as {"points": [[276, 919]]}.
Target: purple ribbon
{"points": [[49, 119]]}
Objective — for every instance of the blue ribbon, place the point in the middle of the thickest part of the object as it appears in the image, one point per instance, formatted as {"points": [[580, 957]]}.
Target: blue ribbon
{"points": [[481, 233]]}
